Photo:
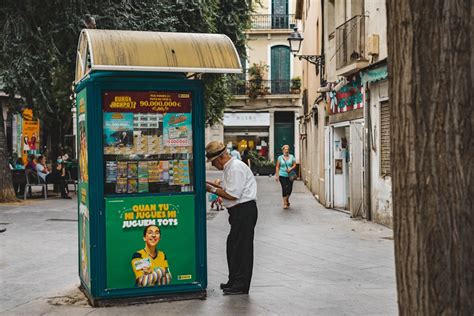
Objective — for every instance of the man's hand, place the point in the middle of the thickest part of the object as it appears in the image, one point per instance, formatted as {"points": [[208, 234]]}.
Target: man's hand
{"points": [[277, 178], [210, 188]]}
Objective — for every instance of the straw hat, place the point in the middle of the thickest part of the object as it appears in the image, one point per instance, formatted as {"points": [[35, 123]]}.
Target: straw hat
{"points": [[214, 149]]}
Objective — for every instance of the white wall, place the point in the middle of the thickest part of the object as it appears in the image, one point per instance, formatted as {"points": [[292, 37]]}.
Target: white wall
{"points": [[376, 23], [381, 187]]}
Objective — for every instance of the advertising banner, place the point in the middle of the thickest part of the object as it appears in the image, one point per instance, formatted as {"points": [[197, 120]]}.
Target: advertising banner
{"points": [[150, 241], [30, 135], [147, 101], [83, 196]]}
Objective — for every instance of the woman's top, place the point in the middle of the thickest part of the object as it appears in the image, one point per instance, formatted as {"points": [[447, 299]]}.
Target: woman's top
{"points": [[31, 165], [285, 164]]}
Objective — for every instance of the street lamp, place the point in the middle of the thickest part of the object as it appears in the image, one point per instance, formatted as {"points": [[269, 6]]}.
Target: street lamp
{"points": [[295, 40]]}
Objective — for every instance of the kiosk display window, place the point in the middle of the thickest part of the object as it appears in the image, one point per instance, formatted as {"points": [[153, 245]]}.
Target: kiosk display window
{"points": [[148, 142]]}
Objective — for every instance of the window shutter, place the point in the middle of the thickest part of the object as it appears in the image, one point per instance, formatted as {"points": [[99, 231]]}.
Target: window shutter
{"points": [[384, 138]]}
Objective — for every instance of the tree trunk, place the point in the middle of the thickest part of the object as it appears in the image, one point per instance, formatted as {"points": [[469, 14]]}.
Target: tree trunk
{"points": [[430, 68], [7, 194]]}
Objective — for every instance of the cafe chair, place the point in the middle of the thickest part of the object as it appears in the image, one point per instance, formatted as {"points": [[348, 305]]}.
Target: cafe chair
{"points": [[33, 180]]}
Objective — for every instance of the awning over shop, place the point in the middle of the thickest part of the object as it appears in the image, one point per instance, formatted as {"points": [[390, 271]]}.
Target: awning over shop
{"points": [[375, 72], [155, 51]]}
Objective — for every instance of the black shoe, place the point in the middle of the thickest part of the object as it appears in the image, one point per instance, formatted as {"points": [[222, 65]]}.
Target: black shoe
{"points": [[2, 230], [234, 291], [67, 197], [225, 285]]}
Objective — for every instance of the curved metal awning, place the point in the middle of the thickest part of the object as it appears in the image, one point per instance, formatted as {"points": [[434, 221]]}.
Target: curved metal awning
{"points": [[155, 51]]}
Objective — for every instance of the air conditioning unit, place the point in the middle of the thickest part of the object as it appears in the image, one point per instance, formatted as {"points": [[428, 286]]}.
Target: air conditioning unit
{"points": [[373, 44]]}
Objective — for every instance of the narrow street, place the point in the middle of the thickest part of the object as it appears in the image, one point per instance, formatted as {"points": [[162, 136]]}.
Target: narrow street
{"points": [[309, 260]]}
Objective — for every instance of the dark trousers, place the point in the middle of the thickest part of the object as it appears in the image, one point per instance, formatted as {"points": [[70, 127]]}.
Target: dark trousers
{"points": [[286, 186], [56, 178], [242, 220]]}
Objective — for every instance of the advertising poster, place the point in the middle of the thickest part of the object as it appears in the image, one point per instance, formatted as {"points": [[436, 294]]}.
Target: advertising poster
{"points": [[30, 135], [118, 132], [83, 197], [177, 129], [165, 254]]}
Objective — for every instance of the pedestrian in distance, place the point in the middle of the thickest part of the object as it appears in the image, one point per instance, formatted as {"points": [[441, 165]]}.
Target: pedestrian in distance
{"points": [[285, 174], [216, 201], [235, 153], [239, 194], [56, 175], [245, 156]]}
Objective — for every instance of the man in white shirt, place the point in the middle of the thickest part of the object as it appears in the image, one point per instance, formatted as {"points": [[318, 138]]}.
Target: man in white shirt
{"points": [[239, 193]]}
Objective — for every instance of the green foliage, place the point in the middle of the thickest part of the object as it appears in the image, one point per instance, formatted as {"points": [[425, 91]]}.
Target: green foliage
{"points": [[260, 161], [256, 74], [295, 83], [38, 41]]}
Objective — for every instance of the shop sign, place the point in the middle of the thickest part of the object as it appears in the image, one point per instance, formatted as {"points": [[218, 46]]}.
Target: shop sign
{"points": [[246, 119], [146, 101]]}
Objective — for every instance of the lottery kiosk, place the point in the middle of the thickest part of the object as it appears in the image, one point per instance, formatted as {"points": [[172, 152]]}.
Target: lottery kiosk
{"points": [[140, 128]]}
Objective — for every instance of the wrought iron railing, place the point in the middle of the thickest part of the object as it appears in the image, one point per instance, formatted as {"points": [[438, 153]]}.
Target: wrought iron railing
{"points": [[273, 21], [350, 41], [254, 88]]}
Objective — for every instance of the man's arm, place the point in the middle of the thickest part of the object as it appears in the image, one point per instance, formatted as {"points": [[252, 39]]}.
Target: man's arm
{"points": [[219, 191]]}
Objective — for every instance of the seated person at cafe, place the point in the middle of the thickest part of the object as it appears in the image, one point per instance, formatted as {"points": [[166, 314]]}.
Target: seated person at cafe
{"points": [[31, 164], [57, 175]]}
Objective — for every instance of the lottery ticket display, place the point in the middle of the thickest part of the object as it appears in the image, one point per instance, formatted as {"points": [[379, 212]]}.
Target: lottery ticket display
{"points": [[148, 142]]}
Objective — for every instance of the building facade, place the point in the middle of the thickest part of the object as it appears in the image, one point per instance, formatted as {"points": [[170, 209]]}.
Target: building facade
{"points": [[267, 97], [345, 129]]}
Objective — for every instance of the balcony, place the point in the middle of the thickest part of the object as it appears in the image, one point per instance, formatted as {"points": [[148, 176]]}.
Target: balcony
{"points": [[254, 88], [350, 46], [273, 21]]}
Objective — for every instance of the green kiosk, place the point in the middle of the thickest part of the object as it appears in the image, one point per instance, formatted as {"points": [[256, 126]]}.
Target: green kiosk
{"points": [[141, 196]]}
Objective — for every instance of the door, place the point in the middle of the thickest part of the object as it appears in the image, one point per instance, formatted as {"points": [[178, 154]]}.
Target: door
{"points": [[284, 135], [356, 169], [280, 70], [328, 156]]}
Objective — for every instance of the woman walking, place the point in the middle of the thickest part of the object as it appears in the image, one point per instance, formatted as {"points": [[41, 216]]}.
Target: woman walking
{"points": [[286, 163]]}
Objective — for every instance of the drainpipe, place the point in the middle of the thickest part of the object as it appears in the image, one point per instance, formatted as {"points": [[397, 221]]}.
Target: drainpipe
{"points": [[367, 153]]}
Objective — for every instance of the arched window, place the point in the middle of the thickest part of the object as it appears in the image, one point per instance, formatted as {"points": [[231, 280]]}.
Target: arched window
{"points": [[280, 69]]}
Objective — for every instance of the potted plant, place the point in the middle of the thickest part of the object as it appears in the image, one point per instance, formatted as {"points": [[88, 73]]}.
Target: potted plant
{"points": [[256, 75], [261, 165], [295, 85]]}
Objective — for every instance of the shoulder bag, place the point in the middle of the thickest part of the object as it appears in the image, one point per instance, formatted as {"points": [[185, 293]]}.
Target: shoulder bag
{"points": [[292, 174]]}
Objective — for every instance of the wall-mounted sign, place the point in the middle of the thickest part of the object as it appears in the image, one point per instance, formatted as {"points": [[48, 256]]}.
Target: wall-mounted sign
{"points": [[338, 166], [246, 119]]}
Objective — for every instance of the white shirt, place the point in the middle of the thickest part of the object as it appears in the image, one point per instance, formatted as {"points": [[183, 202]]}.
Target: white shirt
{"points": [[41, 172], [239, 182], [234, 153]]}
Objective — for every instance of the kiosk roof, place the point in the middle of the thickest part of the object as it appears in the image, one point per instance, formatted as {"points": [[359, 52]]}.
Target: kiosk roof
{"points": [[155, 51]]}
